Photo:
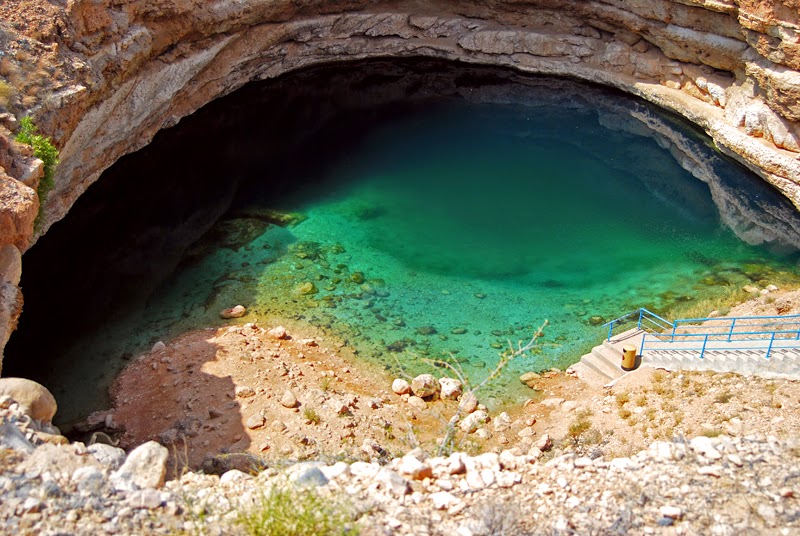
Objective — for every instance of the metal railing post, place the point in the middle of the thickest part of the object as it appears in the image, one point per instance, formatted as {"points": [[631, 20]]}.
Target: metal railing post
{"points": [[674, 327], [610, 329], [641, 347], [769, 348], [639, 325], [730, 333], [703, 349]]}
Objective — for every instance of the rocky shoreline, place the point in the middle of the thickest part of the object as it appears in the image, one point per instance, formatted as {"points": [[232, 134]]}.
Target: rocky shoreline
{"points": [[671, 453], [705, 485]]}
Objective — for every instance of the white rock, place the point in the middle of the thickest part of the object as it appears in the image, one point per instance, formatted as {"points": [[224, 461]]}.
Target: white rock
{"points": [[89, 479], [278, 333], [148, 499], [450, 388], [244, 391], [392, 481], [468, 403], [544, 443], [236, 311], [424, 385], [145, 467], [288, 400], [417, 402], [400, 387], [502, 422], [234, 475], [673, 512], [474, 480], [507, 479], [107, 455], [158, 347], [442, 500], [526, 432], [473, 421], [552, 402], [364, 469], [412, 467]]}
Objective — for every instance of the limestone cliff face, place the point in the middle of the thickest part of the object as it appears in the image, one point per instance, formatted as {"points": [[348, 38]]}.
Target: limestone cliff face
{"points": [[129, 69], [731, 67]]}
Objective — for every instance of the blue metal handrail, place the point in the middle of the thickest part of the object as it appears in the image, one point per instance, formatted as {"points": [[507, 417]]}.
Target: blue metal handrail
{"points": [[657, 329], [646, 320]]}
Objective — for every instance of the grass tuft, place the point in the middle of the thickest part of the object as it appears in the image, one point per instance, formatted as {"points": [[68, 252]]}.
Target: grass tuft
{"points": [[289, 511]]}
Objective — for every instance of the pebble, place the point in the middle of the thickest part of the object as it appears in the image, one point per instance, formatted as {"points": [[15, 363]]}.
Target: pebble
{"points": [[473, 421], [255, 421], [278, 332], [417, 402], [288, 400], [244, 391]]}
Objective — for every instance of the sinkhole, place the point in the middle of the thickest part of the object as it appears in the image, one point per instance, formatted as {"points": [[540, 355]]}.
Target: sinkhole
{"points": [[411, 209]]}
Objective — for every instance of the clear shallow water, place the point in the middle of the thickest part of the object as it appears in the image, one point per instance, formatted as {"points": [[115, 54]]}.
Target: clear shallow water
{"points": [[450, 228]]}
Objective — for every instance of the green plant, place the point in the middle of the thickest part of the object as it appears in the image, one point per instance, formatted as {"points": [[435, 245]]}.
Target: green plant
{"points": [[724, 397], [290, 511], [581, 424], [44, 150], [311, 416], [325, 383], [6, 91]]}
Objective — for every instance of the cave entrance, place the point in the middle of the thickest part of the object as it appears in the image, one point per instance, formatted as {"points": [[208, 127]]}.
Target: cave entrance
{"points": [[409, 209]]}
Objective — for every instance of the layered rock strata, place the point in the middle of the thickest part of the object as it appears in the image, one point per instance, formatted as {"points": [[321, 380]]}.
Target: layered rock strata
{"points": [[120, 72]]}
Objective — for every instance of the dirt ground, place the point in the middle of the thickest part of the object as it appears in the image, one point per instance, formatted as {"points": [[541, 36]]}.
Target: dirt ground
{"points": [[213, 393]]}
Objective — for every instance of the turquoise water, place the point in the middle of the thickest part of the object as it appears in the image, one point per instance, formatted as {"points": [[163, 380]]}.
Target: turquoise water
{"points": [[442, 229], [454, 231]]}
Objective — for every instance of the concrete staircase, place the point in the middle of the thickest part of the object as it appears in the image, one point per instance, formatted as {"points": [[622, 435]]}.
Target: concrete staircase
{"points": [[602, 367], [782, 362]]}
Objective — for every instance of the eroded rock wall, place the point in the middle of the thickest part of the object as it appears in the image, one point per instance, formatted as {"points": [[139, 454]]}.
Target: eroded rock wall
{"points": [[124, 70]]}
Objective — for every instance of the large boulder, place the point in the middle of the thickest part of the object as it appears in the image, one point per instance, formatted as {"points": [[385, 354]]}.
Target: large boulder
{"points": [[33, 398]]}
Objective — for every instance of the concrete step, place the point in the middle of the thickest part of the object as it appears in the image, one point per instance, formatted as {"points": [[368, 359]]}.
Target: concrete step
{"points": [[608, 360]]}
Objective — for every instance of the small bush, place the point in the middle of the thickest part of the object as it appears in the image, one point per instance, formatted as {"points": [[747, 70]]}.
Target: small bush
{"points": [[581, 424], [6, 91], [625, 413], [45, 151], [311, 416], [724, 397], [641, 400], [289, 511], [622, 399]]}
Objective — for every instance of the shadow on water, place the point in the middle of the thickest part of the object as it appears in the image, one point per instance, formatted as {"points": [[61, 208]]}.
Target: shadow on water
{"points": [[203, 186]]}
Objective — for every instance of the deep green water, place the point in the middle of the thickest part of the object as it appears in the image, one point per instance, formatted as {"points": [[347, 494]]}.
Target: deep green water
{"points": [[451, 229]]}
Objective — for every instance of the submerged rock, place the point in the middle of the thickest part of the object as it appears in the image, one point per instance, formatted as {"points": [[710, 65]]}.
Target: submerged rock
{"points": [[307, 288], [237, 311], [530, 379]]}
